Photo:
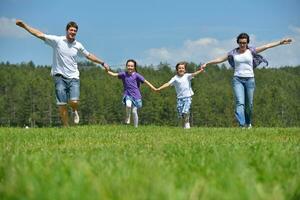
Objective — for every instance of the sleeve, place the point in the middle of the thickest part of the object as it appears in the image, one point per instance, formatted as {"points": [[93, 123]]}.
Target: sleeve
{"points": [[252, 49], [121, 75], [51, 40], [230, 57], [189, 76], [140, 78], [83, 51], [171, 82]]}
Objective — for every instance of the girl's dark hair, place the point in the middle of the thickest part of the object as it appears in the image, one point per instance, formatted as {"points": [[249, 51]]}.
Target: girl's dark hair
{"points": [[134, 62], [181, 63], [243, 36], [71, 24]]}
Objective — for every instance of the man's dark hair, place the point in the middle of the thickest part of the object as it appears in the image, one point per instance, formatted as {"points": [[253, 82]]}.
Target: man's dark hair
{"points": [[71, 24]]}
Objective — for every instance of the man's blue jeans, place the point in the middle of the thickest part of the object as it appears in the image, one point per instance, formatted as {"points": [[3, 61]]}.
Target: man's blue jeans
{"points": [[243, 91]]}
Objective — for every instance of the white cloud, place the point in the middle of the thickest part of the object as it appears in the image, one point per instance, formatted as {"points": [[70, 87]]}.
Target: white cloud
{"points": [[8, 28], [197, 51], [295, 29], [205, 49]]}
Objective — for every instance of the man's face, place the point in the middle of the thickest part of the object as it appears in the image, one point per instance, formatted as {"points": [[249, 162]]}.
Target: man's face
{"points": [[71, 34]]}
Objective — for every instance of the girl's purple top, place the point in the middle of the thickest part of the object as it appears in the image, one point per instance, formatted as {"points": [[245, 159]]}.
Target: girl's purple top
{"points": [[131, 83]]}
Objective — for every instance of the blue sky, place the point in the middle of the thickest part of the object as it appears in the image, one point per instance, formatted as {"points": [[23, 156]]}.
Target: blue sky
{"points": [[152, 31]]}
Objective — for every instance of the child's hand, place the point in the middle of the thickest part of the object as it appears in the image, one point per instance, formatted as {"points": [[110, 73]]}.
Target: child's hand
{"points": [[154, 89], [203, 66]]}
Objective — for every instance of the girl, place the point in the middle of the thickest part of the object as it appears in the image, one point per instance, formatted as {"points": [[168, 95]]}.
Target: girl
{"points": [[132, 98], [243, 59], [182, 83]]}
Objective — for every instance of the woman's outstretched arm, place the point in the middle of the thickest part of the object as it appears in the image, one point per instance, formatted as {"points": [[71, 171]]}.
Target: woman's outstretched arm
{"points": [[273, 44]]}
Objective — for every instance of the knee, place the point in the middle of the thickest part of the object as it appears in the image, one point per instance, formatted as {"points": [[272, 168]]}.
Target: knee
{"points": [[62, 108], [73, 103], [134, 110]]}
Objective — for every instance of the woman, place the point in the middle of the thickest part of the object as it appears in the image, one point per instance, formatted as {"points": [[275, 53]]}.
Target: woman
{"points": [[243, 59]]}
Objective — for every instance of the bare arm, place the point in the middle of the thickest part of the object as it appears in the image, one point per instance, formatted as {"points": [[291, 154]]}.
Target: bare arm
{"points": [[273, 44], [215, 61], [197, 72], [31, 30], [163, 86], [150, 85], [111, 73], [93, 58]]}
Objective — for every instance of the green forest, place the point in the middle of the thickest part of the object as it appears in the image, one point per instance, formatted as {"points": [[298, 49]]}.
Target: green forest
{"points": [[27, 97]]}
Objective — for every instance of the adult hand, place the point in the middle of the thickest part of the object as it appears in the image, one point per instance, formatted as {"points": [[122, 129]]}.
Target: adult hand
{"points": [[286, 41], [203, 66], [20, 23]]}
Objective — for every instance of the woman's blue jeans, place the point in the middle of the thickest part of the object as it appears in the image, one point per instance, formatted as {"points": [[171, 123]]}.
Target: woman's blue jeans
{"points": [[243, 89]]}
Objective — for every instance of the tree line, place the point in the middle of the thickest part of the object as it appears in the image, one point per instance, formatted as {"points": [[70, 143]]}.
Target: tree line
{"points": [[27, 96]]}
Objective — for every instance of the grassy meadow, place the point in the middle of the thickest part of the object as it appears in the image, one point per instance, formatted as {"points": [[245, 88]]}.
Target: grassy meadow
{"points": [[151, 162]]}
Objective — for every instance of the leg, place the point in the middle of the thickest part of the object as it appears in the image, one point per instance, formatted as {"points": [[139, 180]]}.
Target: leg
{"points": [[135, 116], [61, 98], [74, 92], [180, 108], [74, 106], [128, 104], [187, 102], [186, 120], [249, 93], [238, 89], [63, 111]]}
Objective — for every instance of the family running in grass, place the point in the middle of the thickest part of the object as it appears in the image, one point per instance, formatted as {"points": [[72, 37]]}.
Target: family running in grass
{"points": [[66, 50]]}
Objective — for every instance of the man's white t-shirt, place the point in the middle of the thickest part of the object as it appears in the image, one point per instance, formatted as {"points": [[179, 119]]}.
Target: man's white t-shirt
{"points": [[65, 55], [182, 85], [243, 64]]}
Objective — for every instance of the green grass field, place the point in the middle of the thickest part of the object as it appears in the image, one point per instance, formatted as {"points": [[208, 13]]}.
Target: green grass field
{"points": [[151, 162]]}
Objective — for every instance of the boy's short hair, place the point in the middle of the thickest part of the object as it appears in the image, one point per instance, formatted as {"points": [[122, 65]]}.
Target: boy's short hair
{"points": [[72, 24], [181, 63]]}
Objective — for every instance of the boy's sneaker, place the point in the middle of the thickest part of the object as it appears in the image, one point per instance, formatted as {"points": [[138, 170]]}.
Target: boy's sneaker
{"points": [[249, 126], [76, 117], [187, 125]]}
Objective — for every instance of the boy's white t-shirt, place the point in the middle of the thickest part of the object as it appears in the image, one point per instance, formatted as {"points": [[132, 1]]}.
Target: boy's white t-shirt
{"points": [[182, 85], [243, 64], [65, 55]]}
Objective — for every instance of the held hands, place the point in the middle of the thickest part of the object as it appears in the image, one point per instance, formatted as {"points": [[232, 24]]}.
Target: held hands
{"points": [[154, 89], [202, 67], [106, 66], [158, 89]]}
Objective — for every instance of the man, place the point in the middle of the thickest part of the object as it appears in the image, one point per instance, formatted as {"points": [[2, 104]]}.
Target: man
{"points": [[64, 70]]}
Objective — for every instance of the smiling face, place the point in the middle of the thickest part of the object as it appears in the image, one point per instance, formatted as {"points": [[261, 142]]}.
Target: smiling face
{"points": [[243, 44], [181, 69], [71, 34], [130, 67], [243, 40]]}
